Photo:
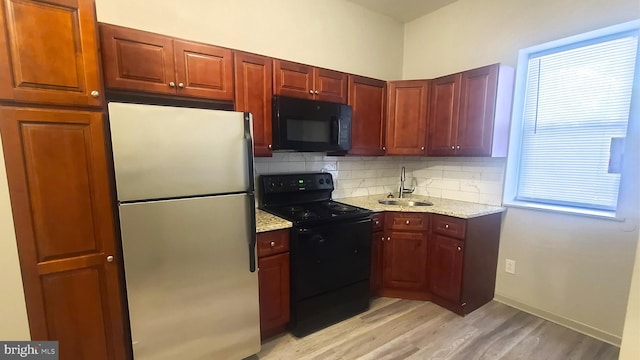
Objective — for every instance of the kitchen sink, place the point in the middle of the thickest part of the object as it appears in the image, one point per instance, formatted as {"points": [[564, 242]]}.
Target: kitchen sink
{"points": [[402, 202]]}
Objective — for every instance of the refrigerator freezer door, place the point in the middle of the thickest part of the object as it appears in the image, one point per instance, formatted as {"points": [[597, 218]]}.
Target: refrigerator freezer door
{"points": [[165, 152], [191, 294]]}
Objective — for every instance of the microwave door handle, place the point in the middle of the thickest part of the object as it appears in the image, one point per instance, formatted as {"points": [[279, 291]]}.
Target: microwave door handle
{"points": [[336, 123]]}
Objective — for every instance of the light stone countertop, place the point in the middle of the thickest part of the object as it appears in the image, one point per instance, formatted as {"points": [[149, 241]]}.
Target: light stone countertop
{"points": [[269, 222], [455, 208]]}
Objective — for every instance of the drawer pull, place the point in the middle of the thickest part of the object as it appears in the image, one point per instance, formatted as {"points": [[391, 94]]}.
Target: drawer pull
{"points": [[382, 238], [377, 222], [389, 238], [273, 243], [407, 222], [446, 226], [459, 248]]}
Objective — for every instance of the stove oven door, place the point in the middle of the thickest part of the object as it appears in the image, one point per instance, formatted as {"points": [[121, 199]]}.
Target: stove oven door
{"points": [[330, 256]]}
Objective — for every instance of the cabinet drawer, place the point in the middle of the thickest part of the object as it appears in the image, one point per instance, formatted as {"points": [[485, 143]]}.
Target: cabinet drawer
{"points": [[449, 226], [407, 221], [273, 242], [378, 222]]}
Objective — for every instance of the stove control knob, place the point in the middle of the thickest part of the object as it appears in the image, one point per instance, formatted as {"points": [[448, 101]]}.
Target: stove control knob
{"points": [[280, 184], [321, 181], [271, 185], [328, 180]]}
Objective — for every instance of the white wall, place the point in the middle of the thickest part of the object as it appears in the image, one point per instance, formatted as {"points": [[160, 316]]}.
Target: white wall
{"points": [[630, 349], [573, 270], [335, 34], [13, 312]]}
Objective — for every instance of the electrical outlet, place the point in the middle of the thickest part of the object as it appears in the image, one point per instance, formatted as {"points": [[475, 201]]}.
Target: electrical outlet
{"points": [[510, 266]]}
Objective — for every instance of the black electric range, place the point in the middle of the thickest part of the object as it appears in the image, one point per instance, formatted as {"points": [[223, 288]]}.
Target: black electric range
{"points": [[330, 245]]}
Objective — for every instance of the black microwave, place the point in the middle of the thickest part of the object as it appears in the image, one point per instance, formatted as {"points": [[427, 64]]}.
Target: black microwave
{"points": [[310, 125]]}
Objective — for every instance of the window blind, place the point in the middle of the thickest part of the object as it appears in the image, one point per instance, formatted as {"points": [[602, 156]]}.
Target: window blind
{"points": [[577, 100]]}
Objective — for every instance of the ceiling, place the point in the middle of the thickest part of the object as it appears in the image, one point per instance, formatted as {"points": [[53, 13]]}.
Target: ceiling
{"points": [[403, 10]]}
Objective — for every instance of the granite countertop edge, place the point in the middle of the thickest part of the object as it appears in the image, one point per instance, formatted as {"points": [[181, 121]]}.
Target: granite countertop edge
{"points": [[460, 209]]}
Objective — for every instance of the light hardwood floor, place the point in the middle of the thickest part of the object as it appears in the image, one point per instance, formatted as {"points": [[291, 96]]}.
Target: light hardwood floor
{"points": [[407, 329]]}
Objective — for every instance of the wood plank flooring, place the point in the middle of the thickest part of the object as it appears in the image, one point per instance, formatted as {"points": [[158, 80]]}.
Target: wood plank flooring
{"points": [[407, 329]]}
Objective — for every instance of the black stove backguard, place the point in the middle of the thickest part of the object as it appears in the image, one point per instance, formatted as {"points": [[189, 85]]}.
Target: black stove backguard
{"points": [[330, 254]]}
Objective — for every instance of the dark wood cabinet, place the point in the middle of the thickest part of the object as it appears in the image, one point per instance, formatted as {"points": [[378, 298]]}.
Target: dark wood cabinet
{"points": [[470, 112], [57, 170], [49, 53], [367, 98], [274, 282], [143, 61], [308, 82], [253, 78], [404, 256], [377, 243], [463, 256], [445, 263], [407, 117]]}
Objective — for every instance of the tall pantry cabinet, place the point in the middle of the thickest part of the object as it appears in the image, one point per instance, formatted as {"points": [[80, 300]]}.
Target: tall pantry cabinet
{"points": [[53, 136]]}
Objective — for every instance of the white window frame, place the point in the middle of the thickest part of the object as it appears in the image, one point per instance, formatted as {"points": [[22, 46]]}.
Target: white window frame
{"points": [[517, 120]]}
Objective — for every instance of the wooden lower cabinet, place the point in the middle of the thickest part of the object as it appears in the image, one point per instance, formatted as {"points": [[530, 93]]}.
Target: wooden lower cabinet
{"points": [[57, 171], [450, 261], [274, 282]]}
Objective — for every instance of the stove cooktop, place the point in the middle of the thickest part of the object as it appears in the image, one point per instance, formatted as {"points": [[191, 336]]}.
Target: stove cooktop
{"points": [[317, 211]]}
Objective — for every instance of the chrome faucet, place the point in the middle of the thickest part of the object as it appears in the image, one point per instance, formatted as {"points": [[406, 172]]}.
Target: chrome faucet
{"points": [[402, 190]]}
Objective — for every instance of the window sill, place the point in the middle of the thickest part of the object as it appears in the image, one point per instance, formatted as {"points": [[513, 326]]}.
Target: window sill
{"points": [[598, 214]]}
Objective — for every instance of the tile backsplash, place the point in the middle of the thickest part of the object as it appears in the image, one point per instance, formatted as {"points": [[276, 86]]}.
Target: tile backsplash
{"points": [[478, 180]]}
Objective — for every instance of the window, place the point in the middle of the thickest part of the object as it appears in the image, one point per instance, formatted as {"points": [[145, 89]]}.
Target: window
{"points": [[571, 110]]}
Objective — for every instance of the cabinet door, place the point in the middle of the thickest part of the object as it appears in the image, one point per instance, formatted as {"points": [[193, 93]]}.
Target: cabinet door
{"points": [[367, 98], [377, 240], [329, 85], [443, 115], [137, 60], [405, 261], [292, 79], [407, 117], [445, 262], [477, 109], [203, 71], [253, 76], [274, 292], [49, 52], [63, 214]]}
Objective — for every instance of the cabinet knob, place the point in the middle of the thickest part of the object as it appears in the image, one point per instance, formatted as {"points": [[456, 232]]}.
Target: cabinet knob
{"points": [[458, 147], [316, 92], [311, 92], [172, 84], [181, 85], [453, 147], [407, 222], [446, 226], [269, 146], [95, 93], [382, 238], [389, 238], [273, 243], [110, 258], [459, 248], [422, 148], [384, 148], [377, 222]]}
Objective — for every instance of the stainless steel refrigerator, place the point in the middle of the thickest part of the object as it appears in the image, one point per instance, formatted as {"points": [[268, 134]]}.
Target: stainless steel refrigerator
{"points": [[184, 179]]}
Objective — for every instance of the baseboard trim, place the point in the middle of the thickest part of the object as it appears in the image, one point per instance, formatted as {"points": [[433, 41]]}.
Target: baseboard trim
{"points": [[560, 320]]}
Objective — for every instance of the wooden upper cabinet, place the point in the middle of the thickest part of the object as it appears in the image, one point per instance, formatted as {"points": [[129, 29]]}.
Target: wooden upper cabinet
{"points": [[407, 117], [477, 109], [49, 52], [253, 76], [367, 98], [292, 79], [470, 112], [57, 170], [203, 70], [330, 85], [307, 82], [137, 60], [443, 111], [143, 61]]}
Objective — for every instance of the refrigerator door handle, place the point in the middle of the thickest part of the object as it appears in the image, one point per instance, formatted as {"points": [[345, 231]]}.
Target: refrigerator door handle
{"points": [[252, 232]]}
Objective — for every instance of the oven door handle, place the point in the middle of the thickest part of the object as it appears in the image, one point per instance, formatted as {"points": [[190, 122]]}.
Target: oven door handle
{"points": [[309, 230]]}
